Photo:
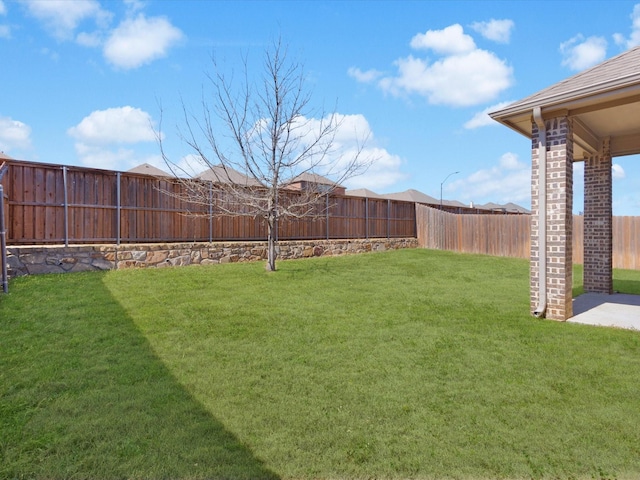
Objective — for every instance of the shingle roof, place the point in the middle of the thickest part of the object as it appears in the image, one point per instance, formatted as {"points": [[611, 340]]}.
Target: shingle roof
{"points": [[412, 195], [363, 192], [314, 178], [513, 207], [603, 101], [220, 174], [613, 74], [147, 169]]}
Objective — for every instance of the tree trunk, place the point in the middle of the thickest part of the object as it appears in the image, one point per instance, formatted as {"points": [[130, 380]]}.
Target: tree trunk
{"points": [[271, 242]]}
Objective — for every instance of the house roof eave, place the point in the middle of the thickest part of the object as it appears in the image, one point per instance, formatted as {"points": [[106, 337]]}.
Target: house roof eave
{"points": [[615, 82], [569, 100]]}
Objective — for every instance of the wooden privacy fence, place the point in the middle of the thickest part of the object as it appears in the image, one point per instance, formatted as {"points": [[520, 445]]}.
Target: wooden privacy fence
{"points": [[499, 235], [626, 241], [56, 204], [509, 235]]}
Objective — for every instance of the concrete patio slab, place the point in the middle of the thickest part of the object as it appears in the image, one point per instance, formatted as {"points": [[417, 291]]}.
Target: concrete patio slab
{"points": [[616, 310]]}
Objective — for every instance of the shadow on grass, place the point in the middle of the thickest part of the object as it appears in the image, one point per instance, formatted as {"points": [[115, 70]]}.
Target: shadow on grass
{"points": [[87, 397]]}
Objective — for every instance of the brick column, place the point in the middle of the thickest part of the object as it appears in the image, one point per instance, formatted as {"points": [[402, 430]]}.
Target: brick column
{"points": [[559, 218], [598, 220]]}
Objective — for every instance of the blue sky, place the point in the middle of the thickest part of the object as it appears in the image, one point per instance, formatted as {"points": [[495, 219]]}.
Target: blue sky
{"points": [[82, 81]]}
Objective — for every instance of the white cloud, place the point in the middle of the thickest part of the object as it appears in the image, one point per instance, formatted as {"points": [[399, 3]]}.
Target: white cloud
{"points": [[495, 30], [579, 53], [138, 41], [89, 39], [617, 172], [114, 125], [619, 39], [62, 17], [482, 119], [362, 76], [384, 168], [508, 181], [634, 40], [449, 41], [188, 166], [134, 6], [100, 137], [353, 134], [52, 54], [5, 30], [510, 161], [634, 37], [462, 80], [14, 134], [352, 128], [384, 171], [119, 159], [465, 75], [101, 157]]}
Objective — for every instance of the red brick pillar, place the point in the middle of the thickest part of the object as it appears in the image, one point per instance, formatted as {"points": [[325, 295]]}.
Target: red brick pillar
{"points": [[558, 218], [598, 220]]}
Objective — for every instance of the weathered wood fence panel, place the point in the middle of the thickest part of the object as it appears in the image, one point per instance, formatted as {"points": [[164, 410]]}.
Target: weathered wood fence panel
{"points": [[626, 242], [509, 235], [56, 204], [578, 240], [499, 235]]}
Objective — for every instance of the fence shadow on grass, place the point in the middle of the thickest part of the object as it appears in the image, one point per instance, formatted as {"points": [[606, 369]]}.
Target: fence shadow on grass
{"points": [[88, 398]]}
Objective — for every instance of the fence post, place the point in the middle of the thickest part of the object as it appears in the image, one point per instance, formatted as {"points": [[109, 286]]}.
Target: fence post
{"points": [[211, 211], [66, 206], [327, 210], [366, 218], [442, 232], [3, 234], [118, 208], [388, 218]]}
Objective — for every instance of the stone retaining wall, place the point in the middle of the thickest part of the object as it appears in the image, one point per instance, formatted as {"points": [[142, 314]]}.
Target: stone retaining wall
{"points": [[32, 260]]}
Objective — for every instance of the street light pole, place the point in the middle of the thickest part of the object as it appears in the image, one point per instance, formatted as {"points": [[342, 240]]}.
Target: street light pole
{"points": [[442, 183]]}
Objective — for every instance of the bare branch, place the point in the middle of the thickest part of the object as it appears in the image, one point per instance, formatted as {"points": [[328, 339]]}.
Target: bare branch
{"points": [[264, 153]]}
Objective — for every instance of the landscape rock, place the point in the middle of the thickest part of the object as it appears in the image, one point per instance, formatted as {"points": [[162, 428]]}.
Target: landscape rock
{"points": [[34, 260]]}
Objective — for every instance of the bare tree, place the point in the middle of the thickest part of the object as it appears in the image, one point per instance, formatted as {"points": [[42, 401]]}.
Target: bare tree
{"points": [[267, 142]]}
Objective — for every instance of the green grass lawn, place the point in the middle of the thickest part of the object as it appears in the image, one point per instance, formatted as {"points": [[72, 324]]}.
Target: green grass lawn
{"points": [[405, 364]]}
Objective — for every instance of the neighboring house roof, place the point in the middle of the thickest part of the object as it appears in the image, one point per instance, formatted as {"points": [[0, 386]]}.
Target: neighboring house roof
{"points": [[507, 207], [454, 203], [147, 169], [363, 192], [513, 207], [412, 195], [4, 156], [220, 174], [316, 179], [604, 101], [490, 206]]}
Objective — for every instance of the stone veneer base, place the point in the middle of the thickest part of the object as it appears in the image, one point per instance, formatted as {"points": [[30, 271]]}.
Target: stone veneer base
{"points": [[40, 259]]}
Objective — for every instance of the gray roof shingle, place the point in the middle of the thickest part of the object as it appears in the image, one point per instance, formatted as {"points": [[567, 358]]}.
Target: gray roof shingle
{"points": [[615, 73]]}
